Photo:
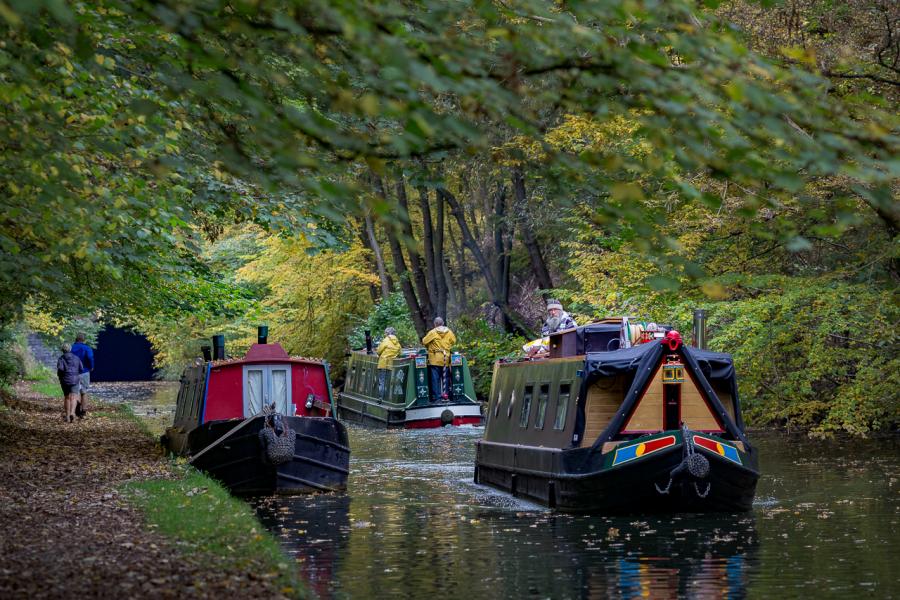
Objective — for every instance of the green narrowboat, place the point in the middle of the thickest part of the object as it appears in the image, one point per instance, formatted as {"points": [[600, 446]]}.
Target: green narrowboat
{"points": [[405, 401], [615, 420]]}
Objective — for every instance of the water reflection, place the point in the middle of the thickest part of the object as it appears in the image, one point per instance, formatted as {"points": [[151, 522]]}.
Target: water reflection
{"points": [[314, 530], [826, 521], [419, 527]]}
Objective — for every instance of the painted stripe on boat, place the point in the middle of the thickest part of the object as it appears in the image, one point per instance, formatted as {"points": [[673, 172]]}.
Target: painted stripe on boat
{"points": [[722, 449], [434, 412], [635, 451], [435, 423]]}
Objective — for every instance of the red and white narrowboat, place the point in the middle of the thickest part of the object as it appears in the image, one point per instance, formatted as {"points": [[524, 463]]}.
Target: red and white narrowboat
{"points": [[261, 424]]}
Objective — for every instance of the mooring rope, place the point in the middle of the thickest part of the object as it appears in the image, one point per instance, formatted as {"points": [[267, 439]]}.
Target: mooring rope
{"points": [[266, 411]]}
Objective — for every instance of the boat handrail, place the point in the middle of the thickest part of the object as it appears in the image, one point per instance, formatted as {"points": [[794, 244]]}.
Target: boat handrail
{"points": [[266, 411]]}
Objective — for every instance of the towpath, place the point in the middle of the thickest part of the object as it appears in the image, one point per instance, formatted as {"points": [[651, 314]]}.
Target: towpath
{"points": [[66, 532]]}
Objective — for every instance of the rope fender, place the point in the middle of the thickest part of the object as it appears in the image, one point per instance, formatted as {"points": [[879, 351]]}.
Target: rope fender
{"points": [[279, 449], [693, 462]]}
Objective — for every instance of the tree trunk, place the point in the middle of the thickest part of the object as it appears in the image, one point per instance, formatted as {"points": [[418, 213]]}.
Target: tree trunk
{"points": [[515, 321], [364, 240], [400, 269], [375, 247], [428, 242], [462, 300], [538, 265], [501, 257], [440, 276], [415, 261]]}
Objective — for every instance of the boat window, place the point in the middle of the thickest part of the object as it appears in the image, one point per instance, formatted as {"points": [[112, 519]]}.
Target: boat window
{"points": [[512, 401], [497, 404], [543, 396], [562, 405], [526, 406], [265, 384], [254, 390], [352, 379], [279, 391]]}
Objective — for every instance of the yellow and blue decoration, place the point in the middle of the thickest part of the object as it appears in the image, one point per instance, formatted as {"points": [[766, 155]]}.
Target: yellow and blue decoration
{"points": [[636, 451], [725, 450], [672, 371]]}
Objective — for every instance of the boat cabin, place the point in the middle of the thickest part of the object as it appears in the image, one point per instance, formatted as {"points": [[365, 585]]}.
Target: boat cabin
{"points": [[239, 388], [607, 382], [405, 398]]}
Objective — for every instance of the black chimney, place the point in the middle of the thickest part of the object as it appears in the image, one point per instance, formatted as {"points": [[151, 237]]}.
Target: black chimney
{"points": [[262, 334], [218, 347], [699, 328], [207, 353], [368, 342]]}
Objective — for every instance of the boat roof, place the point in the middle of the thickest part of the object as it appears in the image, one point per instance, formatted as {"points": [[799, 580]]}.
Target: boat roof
{"points": [[267, 353]]}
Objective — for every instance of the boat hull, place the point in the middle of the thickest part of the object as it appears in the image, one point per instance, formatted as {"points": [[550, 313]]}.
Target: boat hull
{"points": [[320, 464], [391, 416], [581, 480]]}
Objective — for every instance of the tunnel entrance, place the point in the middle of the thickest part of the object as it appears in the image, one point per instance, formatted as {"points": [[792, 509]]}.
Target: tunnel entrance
{"points": [[122, 355]]}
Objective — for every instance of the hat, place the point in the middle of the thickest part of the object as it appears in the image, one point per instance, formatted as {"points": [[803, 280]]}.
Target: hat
{"points": [[554, 304]]}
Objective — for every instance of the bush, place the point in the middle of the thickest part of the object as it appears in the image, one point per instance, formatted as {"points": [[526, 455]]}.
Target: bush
{"points": [[814, 354], [12, 355], [482, 345], [390, 312]]}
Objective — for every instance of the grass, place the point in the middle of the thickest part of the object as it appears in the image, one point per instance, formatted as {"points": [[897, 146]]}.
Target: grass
{"points": [[201, 514], [125, 411], [47, 388], [40, 373], [44, 382], [198, 512]]}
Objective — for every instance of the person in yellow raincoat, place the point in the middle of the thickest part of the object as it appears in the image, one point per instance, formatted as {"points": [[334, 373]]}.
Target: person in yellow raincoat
{"points": [[387, 351], [438, 342]]}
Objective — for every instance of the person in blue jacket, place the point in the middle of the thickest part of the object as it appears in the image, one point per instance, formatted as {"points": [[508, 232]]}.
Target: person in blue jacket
{"points": [[84, 352]]}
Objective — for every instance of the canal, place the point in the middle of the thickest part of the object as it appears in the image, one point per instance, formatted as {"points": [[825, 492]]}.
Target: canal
{"points": [[413, 524]]}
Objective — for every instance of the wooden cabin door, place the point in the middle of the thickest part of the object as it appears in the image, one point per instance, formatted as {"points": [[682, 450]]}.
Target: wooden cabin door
{"points": [[265, 385]]}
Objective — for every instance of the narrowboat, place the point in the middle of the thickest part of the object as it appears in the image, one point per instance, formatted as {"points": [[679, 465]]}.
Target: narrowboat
{"points": [[620, 420], [406, 401], [262, 424]]}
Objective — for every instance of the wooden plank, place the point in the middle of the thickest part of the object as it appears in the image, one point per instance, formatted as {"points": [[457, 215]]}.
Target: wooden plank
{"points": [[603, 400], [694, 411]]}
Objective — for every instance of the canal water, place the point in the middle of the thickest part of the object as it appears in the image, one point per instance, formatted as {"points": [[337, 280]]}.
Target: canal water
{"points": [[826, 522]]}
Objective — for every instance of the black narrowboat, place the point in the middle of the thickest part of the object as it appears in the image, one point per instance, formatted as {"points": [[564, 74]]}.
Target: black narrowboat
{"points": [[262, 424], [619, 420], [405, 401]]}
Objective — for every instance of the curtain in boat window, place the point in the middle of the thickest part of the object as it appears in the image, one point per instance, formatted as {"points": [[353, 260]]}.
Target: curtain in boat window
{"points": [[279, 390], [254, 391]]}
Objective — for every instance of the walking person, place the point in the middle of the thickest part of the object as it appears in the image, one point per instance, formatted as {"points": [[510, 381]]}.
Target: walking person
{"points": [[84, 352], [387, 351], [68, 369], [438, 342]]}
